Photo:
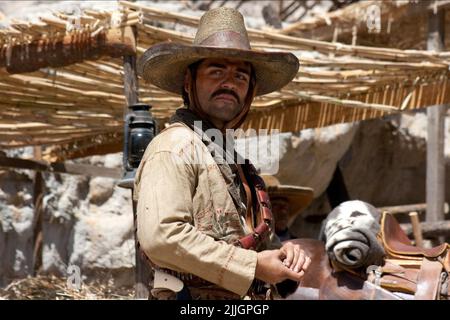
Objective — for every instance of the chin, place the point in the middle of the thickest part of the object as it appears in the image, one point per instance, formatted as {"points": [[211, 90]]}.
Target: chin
{"points": [[223, 114]]}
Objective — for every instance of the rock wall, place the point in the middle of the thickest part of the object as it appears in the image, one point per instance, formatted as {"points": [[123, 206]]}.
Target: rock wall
{"points": [[87, 222], [385, 165], [16, 224]]}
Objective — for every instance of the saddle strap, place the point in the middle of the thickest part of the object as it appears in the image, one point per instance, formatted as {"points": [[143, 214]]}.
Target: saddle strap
{"points": [[428, 280]]}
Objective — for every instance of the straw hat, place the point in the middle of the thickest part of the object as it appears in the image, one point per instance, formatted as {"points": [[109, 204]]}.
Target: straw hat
{"points": [[221, 34], [298, 197]]}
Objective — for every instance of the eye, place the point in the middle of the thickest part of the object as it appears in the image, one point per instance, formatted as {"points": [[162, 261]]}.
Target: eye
{"points": [[216, 72], [242, 76]]}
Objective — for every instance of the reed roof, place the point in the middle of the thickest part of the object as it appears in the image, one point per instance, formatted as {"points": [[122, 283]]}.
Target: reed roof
{"points": [[75, 107]]}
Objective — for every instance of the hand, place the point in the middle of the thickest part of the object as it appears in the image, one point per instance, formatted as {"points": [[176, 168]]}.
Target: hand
{"points": [[296, 259], [270, 267]]}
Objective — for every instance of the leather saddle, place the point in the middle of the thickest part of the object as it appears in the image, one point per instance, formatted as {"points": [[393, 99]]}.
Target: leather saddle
{"points": [[422, 272], [407, 272], [397, 243]]}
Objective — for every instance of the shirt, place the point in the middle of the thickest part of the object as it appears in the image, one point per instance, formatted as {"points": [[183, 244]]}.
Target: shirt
{"points": [[186, 218]]}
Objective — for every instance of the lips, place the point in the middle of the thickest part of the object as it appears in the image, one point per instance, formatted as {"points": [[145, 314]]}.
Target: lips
{"points": [[224, 96]]}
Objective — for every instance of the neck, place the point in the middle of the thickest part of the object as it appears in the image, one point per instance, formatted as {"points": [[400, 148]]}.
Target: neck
{"points": [[217, 123]]}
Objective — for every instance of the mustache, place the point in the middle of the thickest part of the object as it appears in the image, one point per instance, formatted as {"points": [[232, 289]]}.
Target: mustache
{"points": [[226, 91]]}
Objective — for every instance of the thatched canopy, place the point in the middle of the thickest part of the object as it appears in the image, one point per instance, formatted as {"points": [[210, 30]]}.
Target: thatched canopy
{"points": [[62, 87], [402, 25]]}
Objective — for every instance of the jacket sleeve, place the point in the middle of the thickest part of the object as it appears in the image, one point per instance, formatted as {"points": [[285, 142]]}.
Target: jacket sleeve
{"points": [[166, 232]]}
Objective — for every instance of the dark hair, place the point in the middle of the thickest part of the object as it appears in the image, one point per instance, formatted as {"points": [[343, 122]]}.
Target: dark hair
{"points": [[193, 69]]}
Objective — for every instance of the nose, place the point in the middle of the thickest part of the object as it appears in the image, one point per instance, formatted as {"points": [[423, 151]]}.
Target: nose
{"points": [[228, 81]]}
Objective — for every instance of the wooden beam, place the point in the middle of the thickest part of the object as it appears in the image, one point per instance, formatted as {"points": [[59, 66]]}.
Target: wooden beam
{"points": [[439, 5], [60, 167], [130, 81], [295, 8], [430, 229], [67, 50], [90, 150], [88, 146], [435, 184], [131, 91], [409, 208]]}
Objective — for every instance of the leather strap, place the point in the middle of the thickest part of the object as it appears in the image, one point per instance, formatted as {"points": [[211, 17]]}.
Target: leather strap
{"points": [[428, 281], [248, 193], [446, 261], [262, 230]]}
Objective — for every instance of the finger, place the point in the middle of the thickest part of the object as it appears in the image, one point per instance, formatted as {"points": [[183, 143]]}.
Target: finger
{"points": [[307, 263], [295, 276], [300, 261], [289, 256], [296, 250]]}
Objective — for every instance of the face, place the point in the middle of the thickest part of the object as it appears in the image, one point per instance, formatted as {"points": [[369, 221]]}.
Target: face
{"points": [[222, 85], [280, 210]]}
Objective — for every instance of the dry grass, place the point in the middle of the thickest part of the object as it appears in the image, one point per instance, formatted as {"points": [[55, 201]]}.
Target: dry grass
{"points": [[55, 288]]}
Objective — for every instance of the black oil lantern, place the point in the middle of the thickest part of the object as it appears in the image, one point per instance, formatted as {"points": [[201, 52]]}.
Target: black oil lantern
{"points": [[139, 130]]}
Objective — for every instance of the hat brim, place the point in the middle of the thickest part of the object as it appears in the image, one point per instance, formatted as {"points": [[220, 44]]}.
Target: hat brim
{"points": [[298, 197], [165, 64]]}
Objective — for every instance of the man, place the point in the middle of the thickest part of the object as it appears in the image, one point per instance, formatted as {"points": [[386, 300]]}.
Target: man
{"points": [[287, 202], [203, 215]]}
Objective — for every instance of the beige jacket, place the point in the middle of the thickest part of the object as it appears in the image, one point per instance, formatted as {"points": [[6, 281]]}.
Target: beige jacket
{"points": [[186, 219]]}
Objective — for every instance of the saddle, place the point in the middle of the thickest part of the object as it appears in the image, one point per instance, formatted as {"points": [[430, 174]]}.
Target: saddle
{"points": [[421, 272], [407, 272]]}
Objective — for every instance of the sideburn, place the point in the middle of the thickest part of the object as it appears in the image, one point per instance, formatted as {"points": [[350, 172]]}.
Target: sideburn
{"points": [[194, 105]]}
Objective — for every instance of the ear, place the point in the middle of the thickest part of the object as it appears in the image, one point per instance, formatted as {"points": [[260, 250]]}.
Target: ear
{"points": [[187, 80]]}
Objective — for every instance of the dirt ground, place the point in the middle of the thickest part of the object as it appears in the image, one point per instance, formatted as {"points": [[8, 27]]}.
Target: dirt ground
{"points": [[54, 288]]}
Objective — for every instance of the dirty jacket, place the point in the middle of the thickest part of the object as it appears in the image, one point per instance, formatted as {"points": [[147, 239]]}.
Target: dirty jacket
{"points": [[186, 218]]}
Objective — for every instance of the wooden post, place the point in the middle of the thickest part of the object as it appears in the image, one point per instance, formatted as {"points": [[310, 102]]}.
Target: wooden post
{"points": [[60, 167], [38, 196], [67, 50], [435, 184], [131, 90]]}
